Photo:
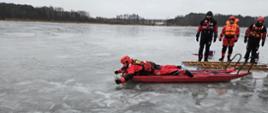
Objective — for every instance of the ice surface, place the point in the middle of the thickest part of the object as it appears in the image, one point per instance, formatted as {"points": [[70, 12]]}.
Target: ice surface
{"points": [[68, 68]]}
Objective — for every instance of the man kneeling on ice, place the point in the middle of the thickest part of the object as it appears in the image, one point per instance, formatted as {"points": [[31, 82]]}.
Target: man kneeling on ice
{"points": [[132, 67]]}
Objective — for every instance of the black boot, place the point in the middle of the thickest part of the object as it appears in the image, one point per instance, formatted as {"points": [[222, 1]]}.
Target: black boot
{"points": [[221, 59], [246, 60], [252, 60], [188, 73], [229, 59], [206, 59], [199, 59]]}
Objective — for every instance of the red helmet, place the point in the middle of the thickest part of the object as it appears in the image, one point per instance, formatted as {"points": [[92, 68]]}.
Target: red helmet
{"points": [[231, 18], [125, 59], [260, 19]]}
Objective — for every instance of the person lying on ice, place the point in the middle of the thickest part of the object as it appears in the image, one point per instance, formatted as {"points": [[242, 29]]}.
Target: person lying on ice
{"points": [[132, 67]]}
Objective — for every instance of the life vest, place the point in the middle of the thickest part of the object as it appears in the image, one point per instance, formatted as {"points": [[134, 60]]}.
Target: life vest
{"points": [[230, 29], [146, 65], [137, 67], [207, 25], [256, 32]]}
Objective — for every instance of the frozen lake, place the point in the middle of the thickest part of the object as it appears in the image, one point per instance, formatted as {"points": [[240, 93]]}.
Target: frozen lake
{"points": [[68, 68]]}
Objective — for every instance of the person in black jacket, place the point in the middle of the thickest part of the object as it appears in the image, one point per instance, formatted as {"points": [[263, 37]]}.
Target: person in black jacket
{"points": [[254, 34], [208, 28]]}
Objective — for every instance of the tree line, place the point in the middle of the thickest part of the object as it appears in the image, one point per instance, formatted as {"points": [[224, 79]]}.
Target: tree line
{"points": [[193, 19], [9, 11]]}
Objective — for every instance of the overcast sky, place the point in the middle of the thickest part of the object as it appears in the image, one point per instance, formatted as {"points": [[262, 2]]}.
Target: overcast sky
{"points": [[158, 9]]}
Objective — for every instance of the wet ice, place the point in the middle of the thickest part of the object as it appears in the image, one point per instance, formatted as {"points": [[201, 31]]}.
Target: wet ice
{"points": [[68, 67]]}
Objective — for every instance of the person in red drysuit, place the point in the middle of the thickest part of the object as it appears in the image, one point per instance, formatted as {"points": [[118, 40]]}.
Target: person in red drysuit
{"points": [[229, 35], [132, 67], [255, 34]]}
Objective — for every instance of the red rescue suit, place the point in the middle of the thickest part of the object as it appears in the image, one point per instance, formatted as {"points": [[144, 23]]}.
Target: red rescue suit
{"points": [[147, 68], [168, 70], [253, 36], [138, 67], [229, 34]]}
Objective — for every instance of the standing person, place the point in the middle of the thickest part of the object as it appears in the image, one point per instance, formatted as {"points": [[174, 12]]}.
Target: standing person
{"points": [[254, 34], [230, 32], [208, 28]]}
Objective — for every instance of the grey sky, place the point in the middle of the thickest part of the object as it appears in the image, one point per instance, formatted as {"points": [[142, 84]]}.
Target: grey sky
{"points": [[160, 9]]}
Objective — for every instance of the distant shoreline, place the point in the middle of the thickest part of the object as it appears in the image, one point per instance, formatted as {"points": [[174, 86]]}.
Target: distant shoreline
{"points": [[75, 22], [18, 12], [60, 22]]}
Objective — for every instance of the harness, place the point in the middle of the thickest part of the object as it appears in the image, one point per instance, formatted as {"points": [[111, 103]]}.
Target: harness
{"points": [[147, 66], [207, 26], [256, 32]]}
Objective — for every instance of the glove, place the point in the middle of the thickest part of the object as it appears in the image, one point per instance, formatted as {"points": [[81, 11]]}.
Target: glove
{"points": [[116, 72], [215, 37], [235, 40], [118, 81], [197, 36], [221, 36], [245, 39], [121, 80]]}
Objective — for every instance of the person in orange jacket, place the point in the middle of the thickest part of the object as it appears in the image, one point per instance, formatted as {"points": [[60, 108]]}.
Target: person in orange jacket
{"points": [[254, 34], [132, 67], [229, 35]]}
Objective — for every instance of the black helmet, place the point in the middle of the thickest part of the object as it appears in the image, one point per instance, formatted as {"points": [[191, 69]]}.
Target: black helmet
{"points": [[209, 13]]}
